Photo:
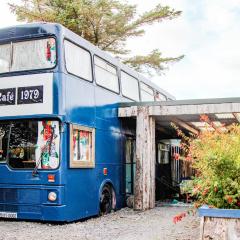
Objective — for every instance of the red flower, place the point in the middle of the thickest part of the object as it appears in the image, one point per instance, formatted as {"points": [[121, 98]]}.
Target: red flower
{"points": [[204, 118], [188, 157], [179, 217], [196, 189], [176, 156], [229, 199], [205, 192]]}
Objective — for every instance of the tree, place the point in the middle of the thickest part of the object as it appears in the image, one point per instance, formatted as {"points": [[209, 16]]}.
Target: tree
{"points": [[105, 23]]}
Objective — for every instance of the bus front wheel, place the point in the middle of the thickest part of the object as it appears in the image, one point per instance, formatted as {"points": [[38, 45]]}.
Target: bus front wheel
{"points": [[107, 200]]}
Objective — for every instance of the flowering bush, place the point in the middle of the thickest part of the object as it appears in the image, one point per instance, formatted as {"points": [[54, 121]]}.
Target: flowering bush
{"points": [[215, 154]]}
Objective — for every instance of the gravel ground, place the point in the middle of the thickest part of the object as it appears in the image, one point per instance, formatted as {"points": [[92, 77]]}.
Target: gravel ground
{"points": [[125, 224]]}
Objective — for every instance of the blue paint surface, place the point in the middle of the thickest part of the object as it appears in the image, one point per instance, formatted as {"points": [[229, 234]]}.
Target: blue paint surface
{"points": [[74, 101], [218, 213]]}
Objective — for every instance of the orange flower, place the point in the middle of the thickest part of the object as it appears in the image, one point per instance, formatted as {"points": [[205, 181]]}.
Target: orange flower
{"points": [[204, 118], [229, 199], [196, 205], [176, 156], [196, 189], [188, 157], [179, 217], [205, 192]]}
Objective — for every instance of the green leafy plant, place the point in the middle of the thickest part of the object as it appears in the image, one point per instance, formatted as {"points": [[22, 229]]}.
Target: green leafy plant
{"points": [[215, 155]]}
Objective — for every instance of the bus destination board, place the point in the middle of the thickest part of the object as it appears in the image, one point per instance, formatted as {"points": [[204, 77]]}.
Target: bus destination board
{"points": [[28, 95]]}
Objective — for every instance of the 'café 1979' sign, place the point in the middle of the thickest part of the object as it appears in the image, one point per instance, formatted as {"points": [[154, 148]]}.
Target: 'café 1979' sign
{"points": [[7, 96], [25, 95]]}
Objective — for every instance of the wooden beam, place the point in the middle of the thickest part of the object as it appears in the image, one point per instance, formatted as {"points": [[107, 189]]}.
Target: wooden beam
{"points": [[197, 109], [182, 109], [127, 111], [237, 117], [185, 125], [144, 189]]}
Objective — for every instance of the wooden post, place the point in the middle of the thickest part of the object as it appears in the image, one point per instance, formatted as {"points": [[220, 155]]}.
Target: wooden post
{"points": [[144, 189]]}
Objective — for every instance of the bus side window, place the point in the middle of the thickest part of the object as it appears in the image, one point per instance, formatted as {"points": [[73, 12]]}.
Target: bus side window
{"points": [[82, 147], [106, 74], [129, 86], [147, 93], [78, 61]]}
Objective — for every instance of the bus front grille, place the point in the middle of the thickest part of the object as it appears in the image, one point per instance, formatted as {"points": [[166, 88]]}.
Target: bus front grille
{"points": [[8, 195], [8, 208], [20, 195]]}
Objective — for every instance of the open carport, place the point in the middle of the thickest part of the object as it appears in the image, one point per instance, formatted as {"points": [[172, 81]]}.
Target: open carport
{"points": [[157, 116]]}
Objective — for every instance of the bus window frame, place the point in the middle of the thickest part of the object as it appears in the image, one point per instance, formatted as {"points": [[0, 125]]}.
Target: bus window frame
{"points": [[80, 164], [141, 82], [110, 65], [26, 40], [60, 144], [121, 70], [65, 62]]}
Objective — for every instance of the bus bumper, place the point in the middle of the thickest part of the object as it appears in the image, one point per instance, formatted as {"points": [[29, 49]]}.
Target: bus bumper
{"points": [[31, 212], [31, 202]]}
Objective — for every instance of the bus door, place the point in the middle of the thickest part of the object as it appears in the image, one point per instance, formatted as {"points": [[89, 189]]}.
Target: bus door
{"points": [[130, 165]]}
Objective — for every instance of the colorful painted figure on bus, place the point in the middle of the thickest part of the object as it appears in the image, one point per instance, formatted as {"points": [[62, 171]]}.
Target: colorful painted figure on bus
{"points": [[81, 145], [51, 51], [49, 142]]}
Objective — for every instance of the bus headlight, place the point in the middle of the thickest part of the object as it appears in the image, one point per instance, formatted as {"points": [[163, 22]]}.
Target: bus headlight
{"points": [[52, 196]]}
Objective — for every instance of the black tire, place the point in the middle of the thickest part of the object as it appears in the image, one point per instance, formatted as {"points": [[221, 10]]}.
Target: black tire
{"points": [[107, 200]]}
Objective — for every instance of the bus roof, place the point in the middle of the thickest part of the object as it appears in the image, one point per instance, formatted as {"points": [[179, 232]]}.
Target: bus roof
{"points": [[30, 30]]}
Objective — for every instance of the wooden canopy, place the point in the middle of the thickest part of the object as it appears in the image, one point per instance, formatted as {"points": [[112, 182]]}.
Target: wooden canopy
{"points": [[152, 115]]}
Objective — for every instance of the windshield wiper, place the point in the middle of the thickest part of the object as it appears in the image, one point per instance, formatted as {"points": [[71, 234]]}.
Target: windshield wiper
{"points": [[34, 172]]}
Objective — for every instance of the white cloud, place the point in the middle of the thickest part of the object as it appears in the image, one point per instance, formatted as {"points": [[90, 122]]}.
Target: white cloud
{"points": [[207, 33], [6, 18]]}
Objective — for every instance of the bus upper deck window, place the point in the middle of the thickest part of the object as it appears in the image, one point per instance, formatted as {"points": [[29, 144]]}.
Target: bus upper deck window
{"points": [[78, 61], [129, 86], [5, 58], [147, 93], [28, 55]]}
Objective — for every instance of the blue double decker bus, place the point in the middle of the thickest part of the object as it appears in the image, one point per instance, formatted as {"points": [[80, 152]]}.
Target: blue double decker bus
{"points": [[64, 154]]}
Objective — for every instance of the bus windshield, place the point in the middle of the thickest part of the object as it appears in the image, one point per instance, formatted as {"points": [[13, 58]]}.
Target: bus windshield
{"points": [[28, 55], [26, 144]]}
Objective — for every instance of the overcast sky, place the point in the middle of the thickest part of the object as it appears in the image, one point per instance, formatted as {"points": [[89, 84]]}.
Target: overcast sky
{"points": [[207, 33]]}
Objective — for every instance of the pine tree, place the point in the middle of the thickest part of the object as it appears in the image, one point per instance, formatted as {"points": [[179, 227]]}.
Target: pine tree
{"points": [[107, 24]]}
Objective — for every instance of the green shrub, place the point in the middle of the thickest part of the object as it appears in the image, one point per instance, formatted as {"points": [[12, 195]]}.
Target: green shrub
{"points": [[216, 158]]}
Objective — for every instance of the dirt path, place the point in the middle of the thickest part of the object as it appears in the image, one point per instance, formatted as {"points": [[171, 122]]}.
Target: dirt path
{"points": [[121, 225]]}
